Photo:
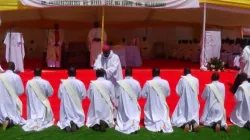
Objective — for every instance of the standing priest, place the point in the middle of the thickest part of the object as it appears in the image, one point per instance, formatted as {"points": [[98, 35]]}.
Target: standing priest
{"points": [[110, 63], [94, 38], [55, 41]]}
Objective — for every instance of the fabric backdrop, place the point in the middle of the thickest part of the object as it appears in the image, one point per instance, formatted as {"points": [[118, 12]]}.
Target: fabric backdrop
{"points": [[175, 4], [212, 46]]}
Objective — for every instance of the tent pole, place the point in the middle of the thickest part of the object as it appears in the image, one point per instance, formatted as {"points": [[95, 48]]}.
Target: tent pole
{"points": [[102, 37], [203, 55]]}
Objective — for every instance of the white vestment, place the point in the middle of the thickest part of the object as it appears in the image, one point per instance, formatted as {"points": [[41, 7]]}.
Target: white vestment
{"points": [[112, 66], [245, 61], [213, 110], [236, 61], [99, 108], [15, 50], [241, 112], [188, 106], [95, 46], [71, 110], [128, 115], [8, 105], [156, 111], [40, 115]]}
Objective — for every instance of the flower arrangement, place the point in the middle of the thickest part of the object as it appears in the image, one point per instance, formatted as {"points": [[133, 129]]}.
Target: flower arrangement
{"points": [[215, 64]]}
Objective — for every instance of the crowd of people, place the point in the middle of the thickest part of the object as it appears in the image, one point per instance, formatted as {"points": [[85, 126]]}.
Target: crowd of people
{"points": [[189, 50], [114, 101]]}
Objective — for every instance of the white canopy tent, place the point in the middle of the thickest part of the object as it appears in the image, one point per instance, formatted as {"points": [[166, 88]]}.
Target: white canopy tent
{"points": [[82, 17]]}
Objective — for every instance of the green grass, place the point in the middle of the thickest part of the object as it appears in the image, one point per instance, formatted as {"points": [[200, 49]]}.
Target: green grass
{"points": [[54, 133]]}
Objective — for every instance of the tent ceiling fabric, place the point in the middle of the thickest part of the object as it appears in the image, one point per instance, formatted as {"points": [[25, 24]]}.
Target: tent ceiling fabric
{"points": [[126, 15]]}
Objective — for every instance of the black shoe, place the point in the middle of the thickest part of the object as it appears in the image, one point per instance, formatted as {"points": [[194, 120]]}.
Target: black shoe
{"points": [[160, 131], [219, 122], [247, 125], [135, 132], [73, 126], [96, 127], [103, 126], [67, 129]]}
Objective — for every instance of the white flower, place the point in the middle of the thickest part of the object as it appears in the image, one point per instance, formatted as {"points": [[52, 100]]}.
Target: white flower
{"points": [[223, 63], [212, 66]]}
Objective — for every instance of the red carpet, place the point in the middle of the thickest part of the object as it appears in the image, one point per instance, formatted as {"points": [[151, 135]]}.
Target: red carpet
{"points": [[171, 71]]}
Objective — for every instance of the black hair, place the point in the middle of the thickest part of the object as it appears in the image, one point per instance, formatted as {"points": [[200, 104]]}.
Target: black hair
{"points": [[128, 72], [187, 71], [71, 71], [37, 72], [215, 76], [156, 72], [11, 66]]}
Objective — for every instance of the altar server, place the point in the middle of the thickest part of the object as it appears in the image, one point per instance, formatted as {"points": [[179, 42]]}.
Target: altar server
{"points": [[15, 50], [11, 106], [101, 95], [214, 114], [71, 92], [40, 114], [240, 115], [54, 49], [111, 64], [186, 113], [156, 109], [129, 111], [94, 38]]}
